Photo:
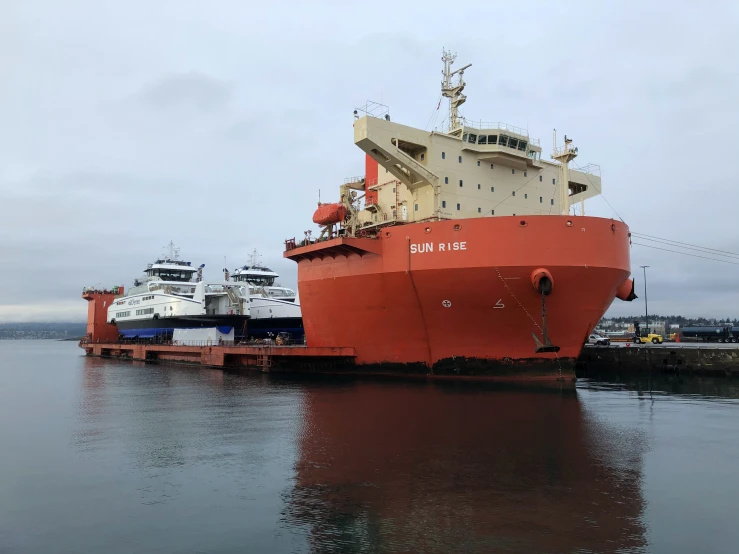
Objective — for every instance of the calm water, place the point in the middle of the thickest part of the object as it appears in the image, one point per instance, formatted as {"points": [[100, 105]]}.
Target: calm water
{"points": [[104, 456]]}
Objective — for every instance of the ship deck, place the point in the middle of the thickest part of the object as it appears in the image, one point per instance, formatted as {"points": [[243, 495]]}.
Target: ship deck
{"points": [[261, 357]]}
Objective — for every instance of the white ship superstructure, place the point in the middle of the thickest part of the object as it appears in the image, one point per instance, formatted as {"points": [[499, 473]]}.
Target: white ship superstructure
{"points": [[173, 295]]}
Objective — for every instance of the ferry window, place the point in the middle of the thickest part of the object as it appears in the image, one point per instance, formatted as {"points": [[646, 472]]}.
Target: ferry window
{"points": [[491, 166], [478, 186], [522, 146], [513, 171], [460, 182], [479, 210], [524, 174], [443, 203], [503, 140], [443, 155], [552, 201], [541, 200], [458, 206], [478, 163], [540, 178], [512, 143], [483, 139], [460, 159], [554, 182], [492, 139], [492, 189], [423, 156], [473, 138], [416, 207], [446, 180]]}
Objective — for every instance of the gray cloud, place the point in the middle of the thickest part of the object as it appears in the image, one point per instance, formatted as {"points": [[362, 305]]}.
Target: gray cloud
{"points": [[190, 90], [128, 125]]}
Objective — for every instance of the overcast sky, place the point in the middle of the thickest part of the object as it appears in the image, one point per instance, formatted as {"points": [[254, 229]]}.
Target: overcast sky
{"points": [[124, 125]]}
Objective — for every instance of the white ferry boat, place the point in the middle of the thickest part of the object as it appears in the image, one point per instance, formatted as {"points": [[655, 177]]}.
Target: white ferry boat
{"points": [[273, 309], [172, 295]]}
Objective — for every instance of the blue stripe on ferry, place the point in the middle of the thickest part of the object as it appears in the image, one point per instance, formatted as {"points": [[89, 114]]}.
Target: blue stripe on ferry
{"points": [[161, 331]]}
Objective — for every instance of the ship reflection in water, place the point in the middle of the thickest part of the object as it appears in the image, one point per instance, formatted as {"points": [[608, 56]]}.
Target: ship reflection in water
{"points": [[111, 456], [459, 469]]}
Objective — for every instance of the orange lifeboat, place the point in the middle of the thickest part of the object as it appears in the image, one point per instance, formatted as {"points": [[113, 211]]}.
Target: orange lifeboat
{"points": [[327, 214]]}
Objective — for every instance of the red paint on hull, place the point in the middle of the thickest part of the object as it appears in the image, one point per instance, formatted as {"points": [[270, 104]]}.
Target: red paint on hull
{"points": [[399, 298]]}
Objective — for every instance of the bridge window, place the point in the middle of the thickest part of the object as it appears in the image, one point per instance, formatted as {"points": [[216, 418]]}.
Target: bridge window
{"points": [[443, 155], [464, 137], [503, 141], [472, 138], [492, 139], [522, 146], [458, 207], [443, 203], [512, 143], [483, 139]]}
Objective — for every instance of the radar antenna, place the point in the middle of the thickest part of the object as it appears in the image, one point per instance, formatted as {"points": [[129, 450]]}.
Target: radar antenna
{"points": [[173, 252], [254, 258], [451, 91]]}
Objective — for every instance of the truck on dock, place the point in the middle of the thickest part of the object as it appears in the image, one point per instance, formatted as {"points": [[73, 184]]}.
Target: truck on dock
{"points": [[720, 333]]}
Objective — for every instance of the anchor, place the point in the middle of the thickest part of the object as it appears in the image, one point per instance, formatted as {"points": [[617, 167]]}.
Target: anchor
{"points": [[542, 281]]}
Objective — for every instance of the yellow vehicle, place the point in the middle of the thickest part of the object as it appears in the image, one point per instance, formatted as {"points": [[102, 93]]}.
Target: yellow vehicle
{"points": [[654, 338]]}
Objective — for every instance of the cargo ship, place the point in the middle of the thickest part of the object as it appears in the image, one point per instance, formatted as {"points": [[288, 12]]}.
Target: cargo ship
{"points": [[460, 251]]}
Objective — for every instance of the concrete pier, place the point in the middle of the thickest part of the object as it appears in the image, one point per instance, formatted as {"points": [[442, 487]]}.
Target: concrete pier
{"points": [[691, 359]]}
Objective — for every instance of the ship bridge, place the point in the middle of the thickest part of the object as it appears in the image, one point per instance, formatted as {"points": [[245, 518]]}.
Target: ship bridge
{"points": [[497, 142]]}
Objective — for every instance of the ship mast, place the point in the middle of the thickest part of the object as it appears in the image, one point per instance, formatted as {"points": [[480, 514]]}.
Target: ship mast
{"points": [[451, 91], [564, 156]]}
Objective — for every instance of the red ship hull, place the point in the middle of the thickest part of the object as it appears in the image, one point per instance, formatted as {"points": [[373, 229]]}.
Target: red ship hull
{"points": [[457, 296]]}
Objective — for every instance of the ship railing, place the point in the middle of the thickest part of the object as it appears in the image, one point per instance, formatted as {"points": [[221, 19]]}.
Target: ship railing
{"points": [[590, 169], [356, 179], [494, 125]]}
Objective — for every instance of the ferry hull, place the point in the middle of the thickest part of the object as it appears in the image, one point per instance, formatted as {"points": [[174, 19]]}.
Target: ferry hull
{"points": [[148, 328], [471, 307]]}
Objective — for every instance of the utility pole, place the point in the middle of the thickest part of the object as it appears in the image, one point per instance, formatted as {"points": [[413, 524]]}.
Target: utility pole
{"points": [[646, 305]]}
